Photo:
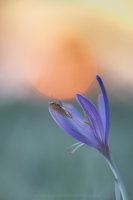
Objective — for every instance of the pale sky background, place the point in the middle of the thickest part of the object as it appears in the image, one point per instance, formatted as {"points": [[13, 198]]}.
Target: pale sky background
{"points": [[108, 25]]}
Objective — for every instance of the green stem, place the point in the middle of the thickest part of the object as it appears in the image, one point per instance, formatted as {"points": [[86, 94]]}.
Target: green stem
{"points": [[118, 177]]}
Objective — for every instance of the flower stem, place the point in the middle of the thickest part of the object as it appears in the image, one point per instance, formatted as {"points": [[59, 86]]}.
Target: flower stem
{"points": [[118, 177], [117, 191]]}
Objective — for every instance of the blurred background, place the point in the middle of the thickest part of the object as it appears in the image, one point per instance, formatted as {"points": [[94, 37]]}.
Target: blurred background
{"points": [[51, 50]]}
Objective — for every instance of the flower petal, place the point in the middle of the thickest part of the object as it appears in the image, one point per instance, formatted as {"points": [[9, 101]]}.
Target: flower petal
{"points": [[73, 125], [101, 107], [92, 115], [60, 102], [72, 109], [107, 110]]}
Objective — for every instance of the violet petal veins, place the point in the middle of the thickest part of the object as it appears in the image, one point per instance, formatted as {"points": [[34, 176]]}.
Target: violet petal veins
{"points": [[101, 108], [73, 125], [107, 110]]}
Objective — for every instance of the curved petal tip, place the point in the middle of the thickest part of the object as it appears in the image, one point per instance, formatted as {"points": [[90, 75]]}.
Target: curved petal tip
{"points": [[78, 95], [98, 77]]}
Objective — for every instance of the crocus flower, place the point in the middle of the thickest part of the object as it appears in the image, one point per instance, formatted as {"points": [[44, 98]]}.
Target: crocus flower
{"points": [[94, 132]]}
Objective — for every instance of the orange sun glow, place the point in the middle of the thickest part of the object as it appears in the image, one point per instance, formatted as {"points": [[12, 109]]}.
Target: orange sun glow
{"points": [[64, 69], [59, 59]]}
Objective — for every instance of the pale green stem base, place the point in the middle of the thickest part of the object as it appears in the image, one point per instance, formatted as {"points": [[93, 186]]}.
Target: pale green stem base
{"points": [[118, 177]]}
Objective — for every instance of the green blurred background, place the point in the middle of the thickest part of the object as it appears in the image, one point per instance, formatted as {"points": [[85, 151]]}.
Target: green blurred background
{"points": [[34, 161]]}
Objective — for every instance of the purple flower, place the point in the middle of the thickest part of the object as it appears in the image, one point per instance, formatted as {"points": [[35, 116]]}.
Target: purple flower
{"points": [[95, 131]]}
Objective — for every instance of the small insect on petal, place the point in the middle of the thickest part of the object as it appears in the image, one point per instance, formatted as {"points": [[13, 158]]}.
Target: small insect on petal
{"points": [[60, 110]]}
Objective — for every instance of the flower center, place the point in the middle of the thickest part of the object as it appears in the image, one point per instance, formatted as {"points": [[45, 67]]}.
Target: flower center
{"points": [[87, 122]]}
